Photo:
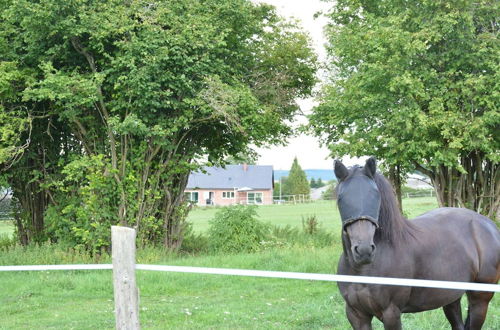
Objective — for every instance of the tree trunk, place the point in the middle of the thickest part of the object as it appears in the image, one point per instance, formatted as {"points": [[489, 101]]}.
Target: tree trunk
{"points": [[175, 213], [30, 218], [476, 187]]}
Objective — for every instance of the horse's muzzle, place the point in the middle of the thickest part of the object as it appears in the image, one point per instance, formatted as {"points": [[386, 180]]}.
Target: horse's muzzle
{"points": [[363, 253]]}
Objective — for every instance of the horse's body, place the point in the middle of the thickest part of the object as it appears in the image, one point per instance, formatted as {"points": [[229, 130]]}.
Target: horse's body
{"points": [[448, 244]]}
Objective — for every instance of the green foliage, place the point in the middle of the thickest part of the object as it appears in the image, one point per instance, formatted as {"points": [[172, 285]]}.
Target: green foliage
{"points": [[119, 101], [7, 242], [416, 84], [194, 243], [296, 182], [86, 212], [6, 206], [329, 194], [235, 229], [290, 236], [409, 190], [49, 254], [310, 224], [317, 183]]}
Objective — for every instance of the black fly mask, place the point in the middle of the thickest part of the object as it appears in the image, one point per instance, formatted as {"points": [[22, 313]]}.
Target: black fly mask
{"points": [[358, 197]]}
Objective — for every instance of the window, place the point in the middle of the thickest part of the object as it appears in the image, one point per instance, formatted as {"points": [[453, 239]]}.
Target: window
{"points": [[192, 196], [227, 194], [255, 198]]}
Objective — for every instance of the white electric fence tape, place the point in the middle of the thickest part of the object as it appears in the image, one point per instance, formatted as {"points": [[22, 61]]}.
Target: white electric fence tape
{"points": [[56, 267], [271, 274]]}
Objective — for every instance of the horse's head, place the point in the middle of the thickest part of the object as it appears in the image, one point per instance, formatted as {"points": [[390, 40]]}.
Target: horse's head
{"points": [[358, 199]]}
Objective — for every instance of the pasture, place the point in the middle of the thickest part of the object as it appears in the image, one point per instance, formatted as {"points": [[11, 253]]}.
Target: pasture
{"points": [[282, 215], [84, 299], [6, 227], [290, 214]]}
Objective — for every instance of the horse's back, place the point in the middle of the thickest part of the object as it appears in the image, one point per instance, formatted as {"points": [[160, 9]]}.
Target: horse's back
{"points": [[474, 234]]}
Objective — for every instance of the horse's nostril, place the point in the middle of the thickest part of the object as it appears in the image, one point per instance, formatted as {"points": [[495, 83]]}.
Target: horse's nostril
{"points": [[373, 248], [356, 249]]}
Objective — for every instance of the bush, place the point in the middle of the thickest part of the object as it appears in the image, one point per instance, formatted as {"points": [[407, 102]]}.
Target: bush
{"points": [[330, 193], [293, 236], [7, 242], [235, 229], [310, 224], [194, 243]]}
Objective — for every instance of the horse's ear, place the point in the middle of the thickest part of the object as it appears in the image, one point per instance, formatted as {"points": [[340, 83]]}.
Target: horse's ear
{"points": [[341, 172], [371, 167]]}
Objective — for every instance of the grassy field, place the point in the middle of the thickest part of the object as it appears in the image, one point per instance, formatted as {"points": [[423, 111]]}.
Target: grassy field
{"points": [[6, 227], [84, 299], [325, 211]]}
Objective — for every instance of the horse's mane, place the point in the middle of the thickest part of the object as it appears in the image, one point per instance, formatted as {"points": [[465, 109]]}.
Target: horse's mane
{"points": [[394, 228]]}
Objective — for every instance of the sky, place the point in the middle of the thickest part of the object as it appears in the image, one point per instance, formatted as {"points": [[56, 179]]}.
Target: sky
{"points": [[307, 149]]}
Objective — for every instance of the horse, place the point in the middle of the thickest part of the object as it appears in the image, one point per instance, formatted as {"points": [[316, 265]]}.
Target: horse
{"points": [[448, 244]]}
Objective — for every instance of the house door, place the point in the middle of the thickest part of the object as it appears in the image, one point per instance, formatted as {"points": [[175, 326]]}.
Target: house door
{"points": [[211, 196]]}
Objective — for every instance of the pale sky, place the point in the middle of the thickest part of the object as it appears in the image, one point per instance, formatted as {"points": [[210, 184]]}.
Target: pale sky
{"points": [[306, 148]]}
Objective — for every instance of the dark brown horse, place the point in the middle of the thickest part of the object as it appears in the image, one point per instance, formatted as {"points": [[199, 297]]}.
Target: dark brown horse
{"points": [[448, 244]]}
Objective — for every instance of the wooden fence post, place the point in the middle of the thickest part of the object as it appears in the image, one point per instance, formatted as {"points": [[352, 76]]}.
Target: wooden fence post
{"points": [[125, 289]]}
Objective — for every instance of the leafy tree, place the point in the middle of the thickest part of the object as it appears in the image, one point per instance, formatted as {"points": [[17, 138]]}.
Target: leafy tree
{"points": [[320, 183], [313, 183], [329, 193], [120, 100], [296, 183], [416, 84], [249, 157]]}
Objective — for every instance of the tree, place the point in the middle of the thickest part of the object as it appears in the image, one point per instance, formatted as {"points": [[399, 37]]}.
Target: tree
{"points": [[296, 183], [313, 183], [320, 183], [125, 98], [415, 84], [330, 193]]}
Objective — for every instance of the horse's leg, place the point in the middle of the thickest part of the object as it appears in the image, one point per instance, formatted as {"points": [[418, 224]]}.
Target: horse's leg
{"points": [[391, 317], [478, 306], [358, 320], [453, 313]]}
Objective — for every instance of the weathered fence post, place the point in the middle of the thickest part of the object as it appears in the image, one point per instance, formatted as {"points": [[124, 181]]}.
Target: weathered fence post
{"points": [[126, 294]]}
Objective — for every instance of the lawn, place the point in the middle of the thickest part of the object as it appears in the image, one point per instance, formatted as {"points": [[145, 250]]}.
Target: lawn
{"points": [[6, 227], [84, 299], [289, 214], [325, 211]]}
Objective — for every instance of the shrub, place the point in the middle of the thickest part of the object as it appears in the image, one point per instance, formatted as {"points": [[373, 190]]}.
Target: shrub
{"points": [[293, 236], [194, 243], [310, 224], [235, 229], [6, 242], [330, 193]]}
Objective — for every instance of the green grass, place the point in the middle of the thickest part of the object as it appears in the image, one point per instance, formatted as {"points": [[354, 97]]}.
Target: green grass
{"points": [[325, 211], [6, 227], [84, 299], [282, 215]]}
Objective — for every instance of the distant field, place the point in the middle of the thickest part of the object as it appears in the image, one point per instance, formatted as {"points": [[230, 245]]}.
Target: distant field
{"points": [[325, 211], [282, 215], [6, 227]]}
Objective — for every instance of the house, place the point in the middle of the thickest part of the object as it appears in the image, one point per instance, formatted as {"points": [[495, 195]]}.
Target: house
{"points": [[234, 184]]}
